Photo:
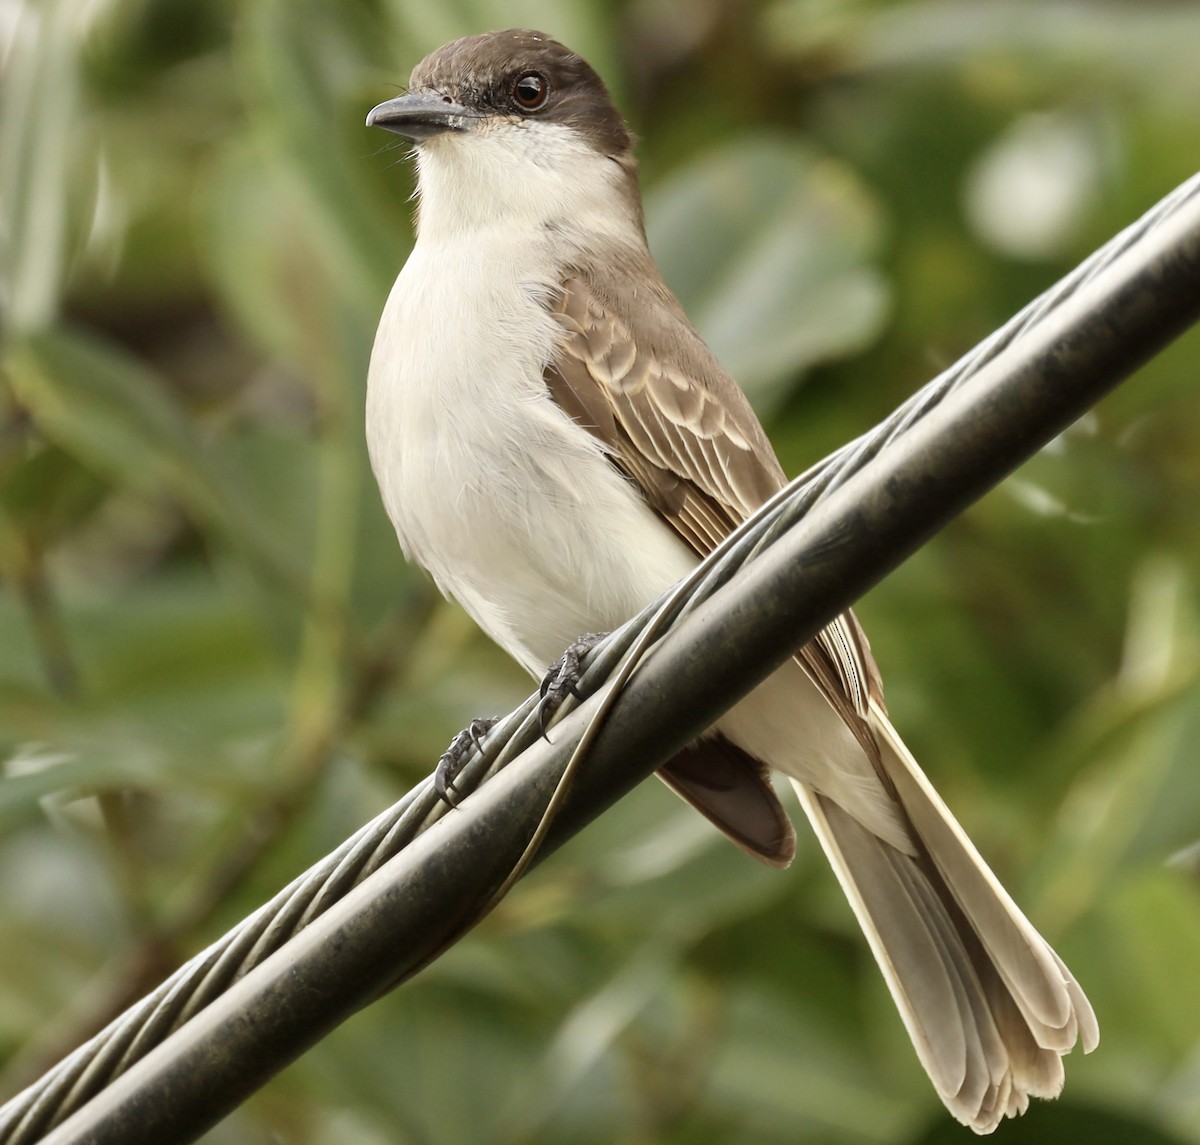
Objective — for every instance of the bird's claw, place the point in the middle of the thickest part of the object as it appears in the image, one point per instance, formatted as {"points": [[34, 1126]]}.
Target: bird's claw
{"points": [[561, 680], [453, 758]]}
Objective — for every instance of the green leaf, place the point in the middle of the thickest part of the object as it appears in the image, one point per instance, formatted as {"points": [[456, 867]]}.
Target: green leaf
{"points": [[39, 121], [112, 413], [770, 248]]}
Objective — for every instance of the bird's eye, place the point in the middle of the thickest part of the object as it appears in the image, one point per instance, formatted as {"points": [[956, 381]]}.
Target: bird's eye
{"points": [[530, 91]]}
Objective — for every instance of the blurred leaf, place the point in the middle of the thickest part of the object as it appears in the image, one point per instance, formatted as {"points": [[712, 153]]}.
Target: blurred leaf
{"points": [[48, 493], [784, 277], [39, 114], [181, 693], [296, 56], [583, 1041], [21, 795], [784, 1081], [1144, 45], [112, 413], [1031, 192], [1158, 931]]}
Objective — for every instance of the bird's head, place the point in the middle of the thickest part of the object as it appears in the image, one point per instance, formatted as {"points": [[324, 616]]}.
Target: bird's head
{"points": [[511, 127]]}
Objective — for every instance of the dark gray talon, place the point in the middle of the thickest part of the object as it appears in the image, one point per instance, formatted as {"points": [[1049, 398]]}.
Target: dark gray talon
{"points": [[561, 680], [453, 758]]}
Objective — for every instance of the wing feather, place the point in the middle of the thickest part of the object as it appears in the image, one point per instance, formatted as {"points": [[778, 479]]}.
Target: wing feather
{"points": [[687, 437]]}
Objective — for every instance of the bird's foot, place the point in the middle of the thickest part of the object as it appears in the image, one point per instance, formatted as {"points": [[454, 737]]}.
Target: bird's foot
{"points": [[561, 680], [456, 755]]}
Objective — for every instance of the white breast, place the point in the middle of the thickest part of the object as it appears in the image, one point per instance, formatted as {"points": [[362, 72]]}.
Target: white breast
{"points": [[512, 508]]}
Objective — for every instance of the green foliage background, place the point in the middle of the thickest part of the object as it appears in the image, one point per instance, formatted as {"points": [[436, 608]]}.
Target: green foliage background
{"points": [[214, 665]]}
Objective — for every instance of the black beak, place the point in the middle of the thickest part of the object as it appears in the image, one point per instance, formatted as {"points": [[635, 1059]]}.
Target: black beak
{"points": [[420, 115]]}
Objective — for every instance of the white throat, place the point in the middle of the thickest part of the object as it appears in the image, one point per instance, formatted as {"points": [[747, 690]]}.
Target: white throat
{"points": [[523, 177]]}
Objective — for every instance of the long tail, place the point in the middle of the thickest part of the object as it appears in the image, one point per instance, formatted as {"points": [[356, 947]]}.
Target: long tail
{"points": [[990, 1007]]}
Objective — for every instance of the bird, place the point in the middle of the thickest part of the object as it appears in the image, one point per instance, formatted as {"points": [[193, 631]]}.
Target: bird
{"points": [[556, 446]]}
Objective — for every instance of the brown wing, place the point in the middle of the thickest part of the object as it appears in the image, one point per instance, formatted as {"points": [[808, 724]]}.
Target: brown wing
{"points": [[680, 428], [696, 450]]}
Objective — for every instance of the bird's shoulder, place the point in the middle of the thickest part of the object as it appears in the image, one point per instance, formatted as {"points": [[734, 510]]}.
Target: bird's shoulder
{"points": [[633, 370]]}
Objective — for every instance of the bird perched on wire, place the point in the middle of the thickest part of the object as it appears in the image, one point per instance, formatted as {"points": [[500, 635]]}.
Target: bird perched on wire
{"points": [[557, 446]]}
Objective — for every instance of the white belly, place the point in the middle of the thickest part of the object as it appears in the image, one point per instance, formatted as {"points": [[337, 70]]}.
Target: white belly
{"points": [[511, 507]]}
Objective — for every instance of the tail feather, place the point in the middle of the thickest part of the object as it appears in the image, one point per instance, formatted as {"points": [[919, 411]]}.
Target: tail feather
{"points": [[989, 1006], [1043, 988]]}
